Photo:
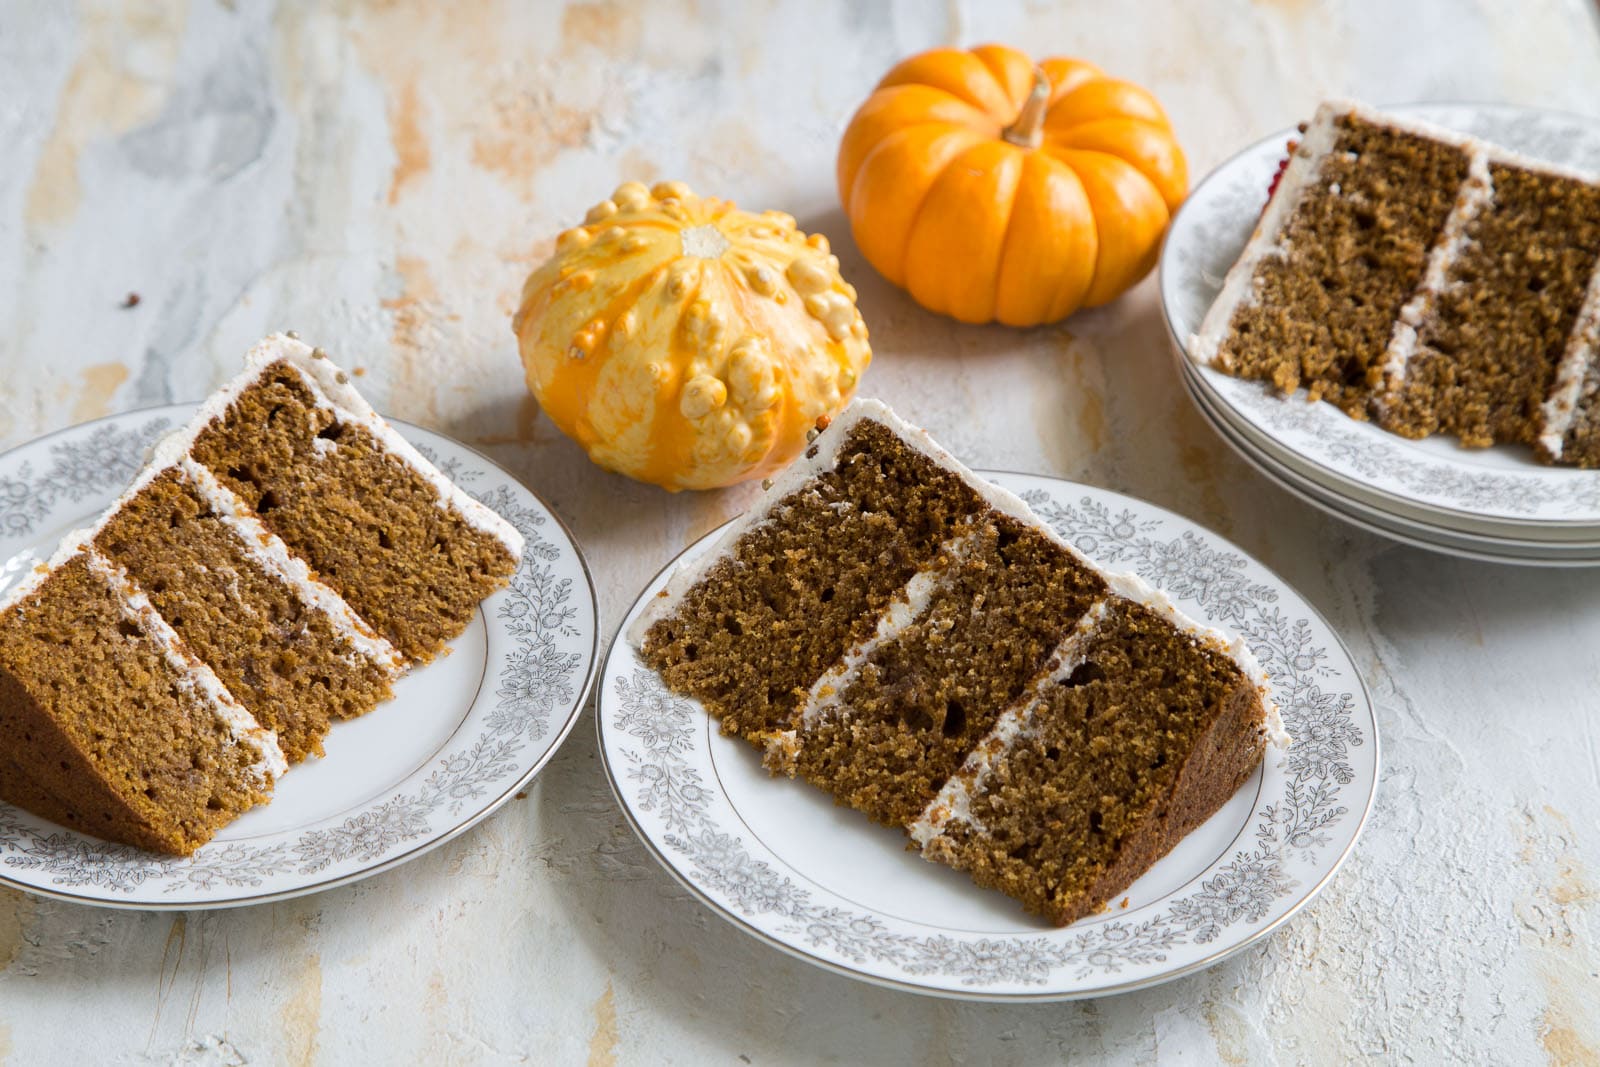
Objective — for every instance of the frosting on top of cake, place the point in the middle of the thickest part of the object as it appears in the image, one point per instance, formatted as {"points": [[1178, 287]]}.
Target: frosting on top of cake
{"points": [[171, 452], [333, 390]]}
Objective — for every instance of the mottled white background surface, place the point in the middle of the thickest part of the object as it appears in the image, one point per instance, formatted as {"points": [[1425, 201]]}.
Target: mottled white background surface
{"points": [[380, 176]]}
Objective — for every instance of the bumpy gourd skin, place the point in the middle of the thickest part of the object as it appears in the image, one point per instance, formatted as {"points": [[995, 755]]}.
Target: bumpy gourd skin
{"points": [[686, 343], [994, 189]]}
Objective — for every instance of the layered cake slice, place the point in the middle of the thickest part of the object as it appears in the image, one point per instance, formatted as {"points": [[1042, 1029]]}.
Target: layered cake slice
{"points": [[1570, 420], [1477, 351], [109, 723], [915, 633], [808, 577], [1113, 755], [1432, 281], [1339, 250], [285, 557], [286, 646], [410, 551]]}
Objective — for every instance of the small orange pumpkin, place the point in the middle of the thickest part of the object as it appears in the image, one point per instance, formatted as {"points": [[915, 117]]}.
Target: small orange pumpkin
{"points": [[993, 189]]}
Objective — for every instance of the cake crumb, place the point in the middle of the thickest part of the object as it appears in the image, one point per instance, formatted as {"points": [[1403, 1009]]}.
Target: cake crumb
{"points": [[131, 300], [1124, 903]]}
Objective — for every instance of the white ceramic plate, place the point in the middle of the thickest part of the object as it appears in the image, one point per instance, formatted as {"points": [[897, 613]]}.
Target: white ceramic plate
{"points": [[461, 736], [1555, 539], [778, 859], [1552, 538], [1346, 509], [1482, 490]]}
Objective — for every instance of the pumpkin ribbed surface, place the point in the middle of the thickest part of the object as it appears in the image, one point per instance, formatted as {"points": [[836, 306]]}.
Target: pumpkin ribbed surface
{"points": [[686, 343], [994, 189]]}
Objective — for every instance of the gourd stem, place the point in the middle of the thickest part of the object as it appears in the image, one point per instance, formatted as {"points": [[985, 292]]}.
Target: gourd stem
{"points": [[1027, 131]]}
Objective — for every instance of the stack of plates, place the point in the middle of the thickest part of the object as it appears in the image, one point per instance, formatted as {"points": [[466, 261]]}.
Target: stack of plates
{"points": [[1496, 504]]}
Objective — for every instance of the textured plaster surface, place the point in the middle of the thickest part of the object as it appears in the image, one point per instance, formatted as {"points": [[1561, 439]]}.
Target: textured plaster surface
{"points": [[380, 177]]}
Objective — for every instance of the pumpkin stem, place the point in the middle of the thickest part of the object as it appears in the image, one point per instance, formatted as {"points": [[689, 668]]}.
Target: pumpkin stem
{"points": [[1027, 131]]}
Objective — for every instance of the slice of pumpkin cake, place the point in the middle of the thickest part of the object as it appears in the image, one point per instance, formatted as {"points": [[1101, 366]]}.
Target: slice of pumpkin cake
{"points": [[1432, 281], [274, 568], [890, 724], [808, 575], [1051, 727], [109, 723], [408, 549], [1339, 250]]}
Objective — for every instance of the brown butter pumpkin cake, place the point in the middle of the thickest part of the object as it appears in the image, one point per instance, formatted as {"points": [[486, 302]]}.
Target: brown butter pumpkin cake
{"points": [[898, 632], [274, 568], [1429, 280]]}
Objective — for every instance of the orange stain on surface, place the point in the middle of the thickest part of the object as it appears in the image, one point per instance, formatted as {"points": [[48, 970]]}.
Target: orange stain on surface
{"points": [[301, 1016], [636, 166], [16, 909], [412, 158], [609, 27], [1563, 1042], [526, 132], [100, 383], [107, 92], [411, 334], [605, 1039]]}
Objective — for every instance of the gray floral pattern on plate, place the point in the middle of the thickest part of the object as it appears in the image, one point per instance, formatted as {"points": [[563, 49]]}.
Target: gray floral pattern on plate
{"points": [[546, 613], [1299, 834], [1208, 236]]}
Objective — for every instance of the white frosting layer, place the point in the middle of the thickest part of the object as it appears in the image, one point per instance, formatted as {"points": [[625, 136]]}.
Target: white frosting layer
{"points": [[193, 675], [823, 455], [273, 556], [909, 606], [264, 547], [1566, 398], [1238, 288], [69, 547], [1452, 241], [333, 390], [953, 802]]}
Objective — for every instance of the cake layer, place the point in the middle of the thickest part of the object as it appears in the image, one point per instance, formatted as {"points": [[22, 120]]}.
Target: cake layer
{"points": [[108, 723], [906, 717], [1569, 430], [1483, 357], [293, 663], [1137, 734], [409, 552], [1342, 246], [807, 580]]}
